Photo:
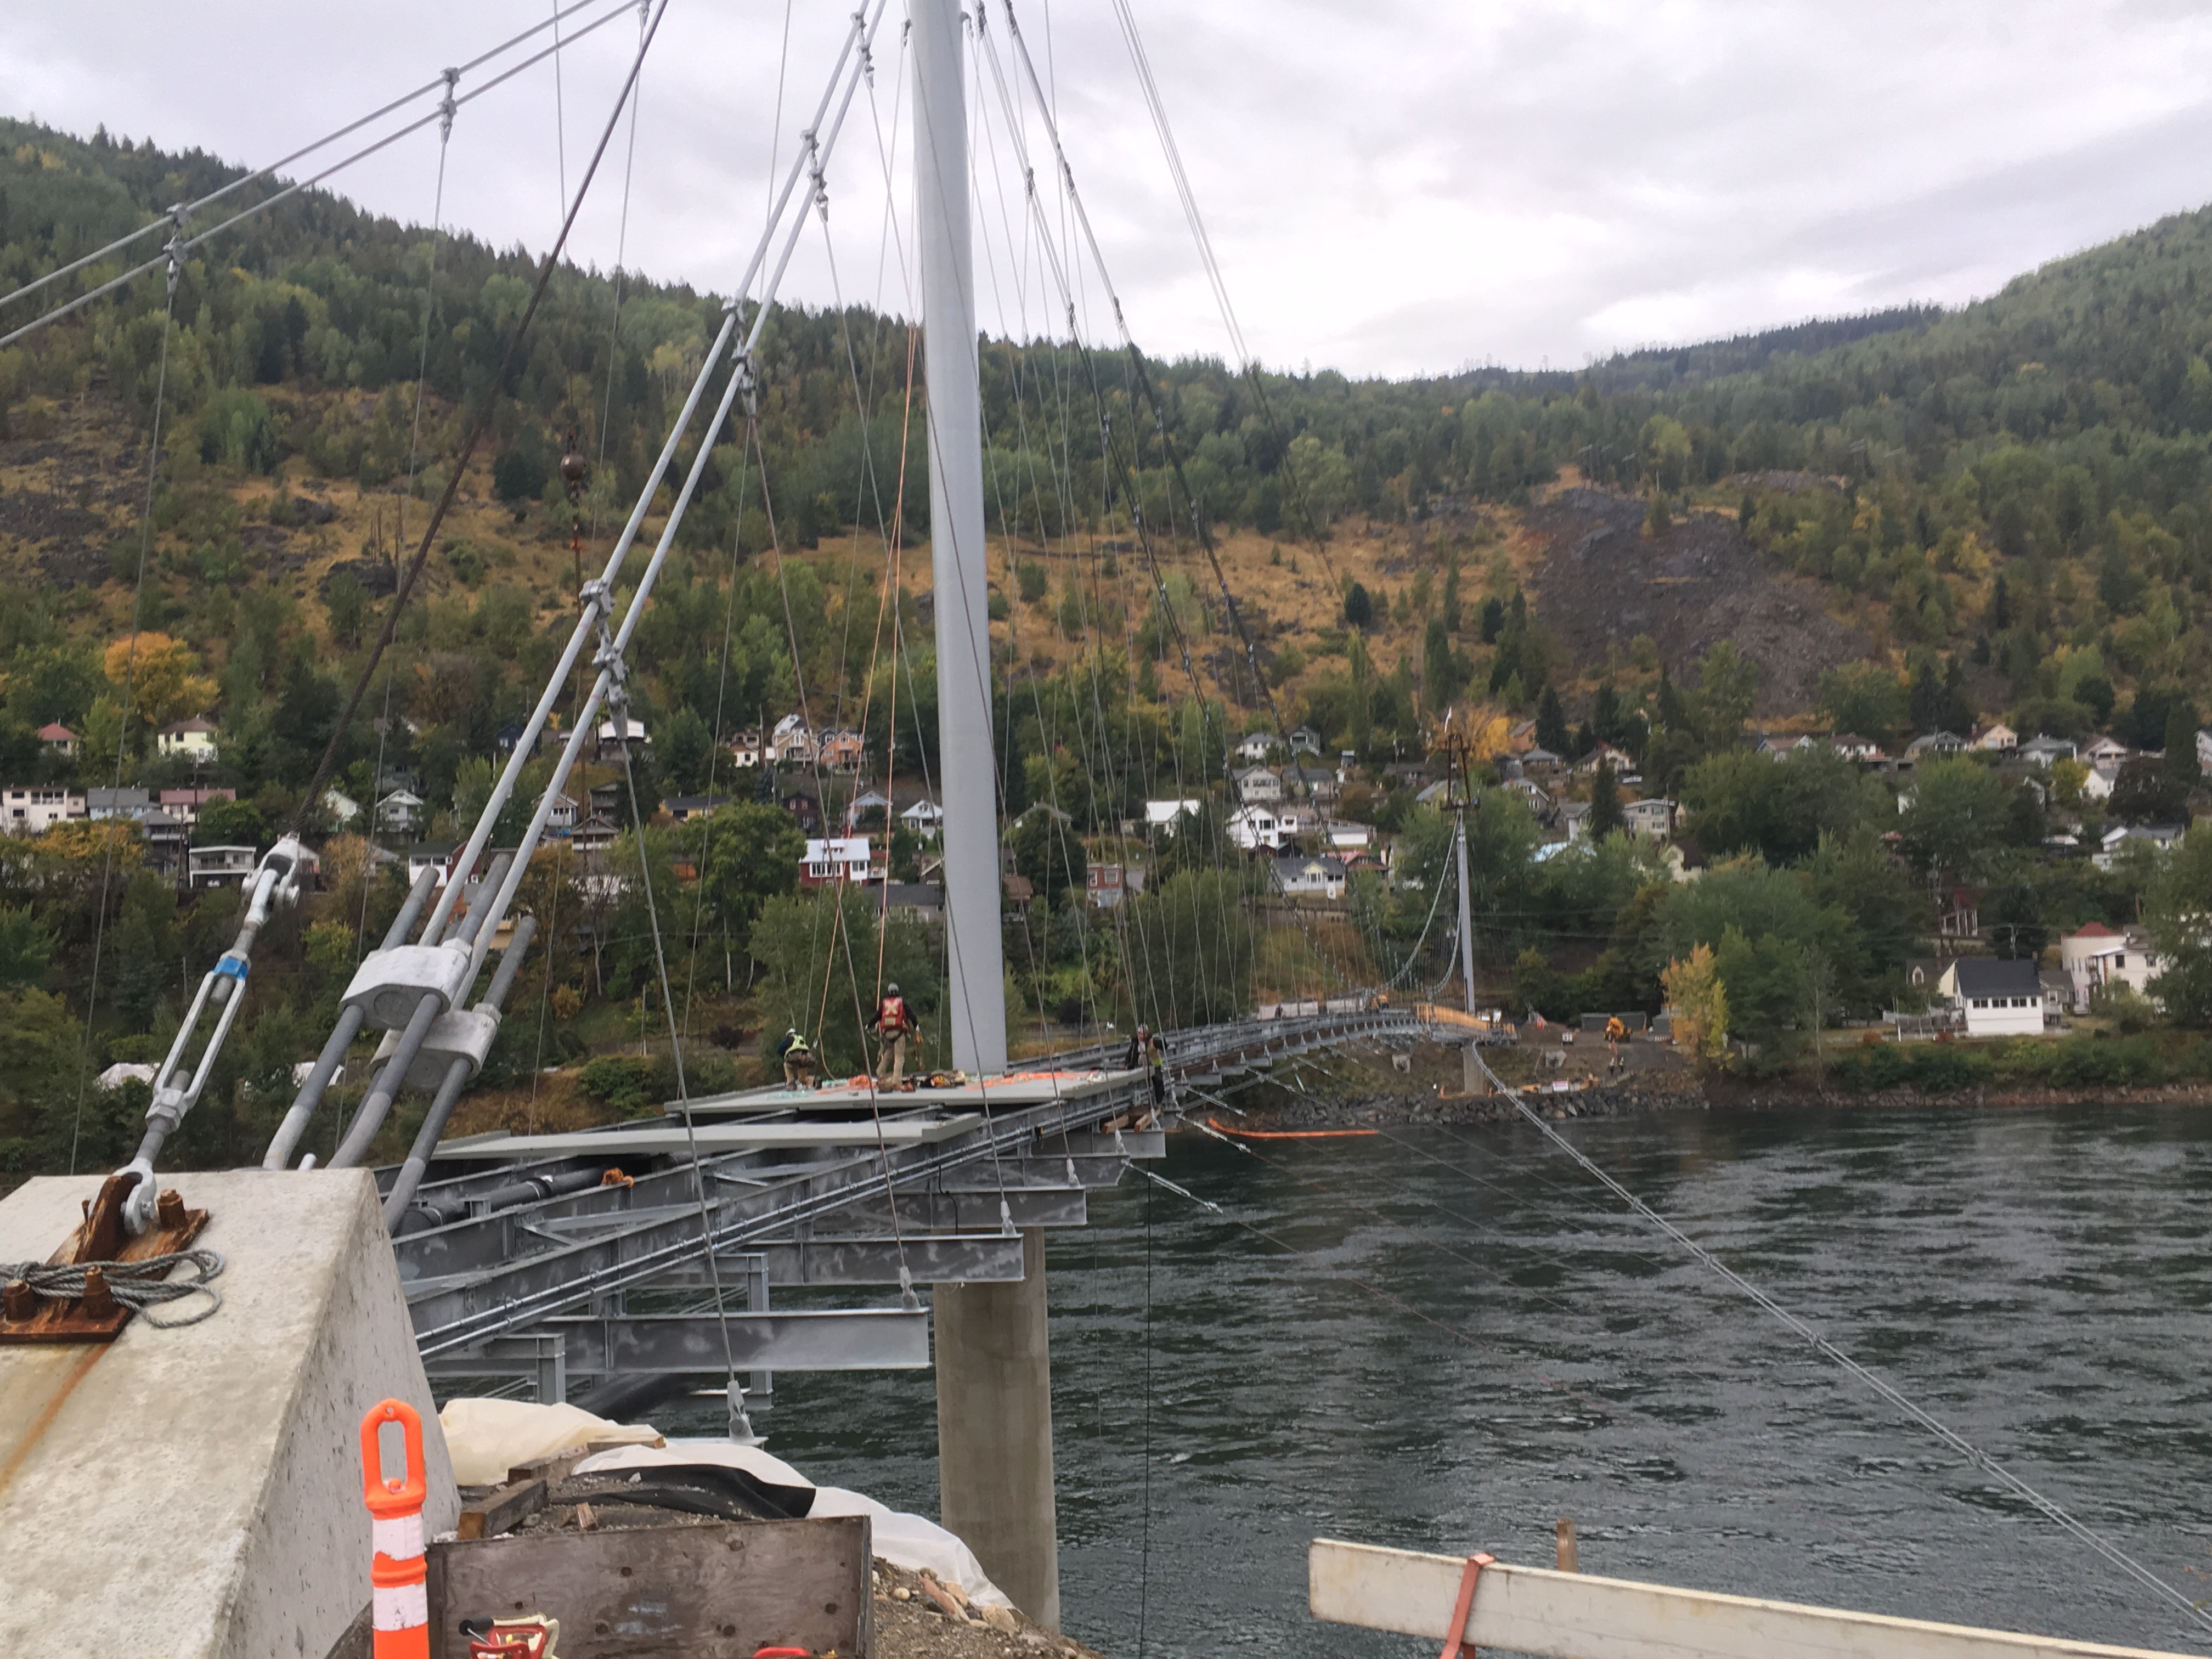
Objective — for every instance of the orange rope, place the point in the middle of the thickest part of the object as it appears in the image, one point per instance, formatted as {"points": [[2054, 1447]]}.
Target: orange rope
{"points": [[1288, 1134]]}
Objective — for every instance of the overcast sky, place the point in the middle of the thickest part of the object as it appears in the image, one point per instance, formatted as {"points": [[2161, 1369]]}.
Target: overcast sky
{"points": [[1392, 187]]}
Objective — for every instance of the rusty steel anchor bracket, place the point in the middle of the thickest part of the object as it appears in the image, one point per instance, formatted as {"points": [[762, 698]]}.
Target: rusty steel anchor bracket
{"points": [[96, 1316]]}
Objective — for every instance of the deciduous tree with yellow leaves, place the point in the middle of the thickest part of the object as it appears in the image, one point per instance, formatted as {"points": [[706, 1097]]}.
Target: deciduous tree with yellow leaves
{"points": [[161, 675], [1699, 1000]]}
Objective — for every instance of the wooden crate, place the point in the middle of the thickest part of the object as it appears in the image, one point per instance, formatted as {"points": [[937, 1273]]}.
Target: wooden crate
{"points": [[720, 1590]]}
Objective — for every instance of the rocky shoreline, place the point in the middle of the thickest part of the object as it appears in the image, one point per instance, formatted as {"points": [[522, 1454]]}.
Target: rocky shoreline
{"points": [[1672, 1094]]}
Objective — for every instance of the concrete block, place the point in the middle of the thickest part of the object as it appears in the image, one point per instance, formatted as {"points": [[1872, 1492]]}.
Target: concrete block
{"points": [[197, 1492]]}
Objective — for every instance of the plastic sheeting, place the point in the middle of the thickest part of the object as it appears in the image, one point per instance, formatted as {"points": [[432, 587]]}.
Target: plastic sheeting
{"points": [[488, 1437], [906, 1540]]}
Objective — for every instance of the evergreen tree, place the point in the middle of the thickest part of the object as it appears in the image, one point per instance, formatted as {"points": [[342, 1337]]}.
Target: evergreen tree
{"points": [[1358, 606], [1928, 699], [2000, 605], [1552, 732], [2180, 763], [1605, 814]]}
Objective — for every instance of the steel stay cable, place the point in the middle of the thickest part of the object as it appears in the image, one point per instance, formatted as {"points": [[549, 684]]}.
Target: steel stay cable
{"points": [[187, 208], [508, 366], [2049, 1508], [57, 313]]}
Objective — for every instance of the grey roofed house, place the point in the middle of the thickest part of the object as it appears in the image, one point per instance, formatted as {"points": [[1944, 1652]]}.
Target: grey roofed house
{"points": [[2042, 750], [1988, 977]]}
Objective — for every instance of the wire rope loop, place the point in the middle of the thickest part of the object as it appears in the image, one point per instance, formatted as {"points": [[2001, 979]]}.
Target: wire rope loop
{"points": [[140, 1285]]}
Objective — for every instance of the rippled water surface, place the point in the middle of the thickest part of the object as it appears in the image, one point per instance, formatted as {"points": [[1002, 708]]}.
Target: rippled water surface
{"points": [[1472, 1340]]}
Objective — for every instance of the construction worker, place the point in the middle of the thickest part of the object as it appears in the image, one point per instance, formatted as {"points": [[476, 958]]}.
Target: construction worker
{"points": [[893, 1025], [1156, 1069], [1140, 1045], [1616, 1033], [798, 1059]]}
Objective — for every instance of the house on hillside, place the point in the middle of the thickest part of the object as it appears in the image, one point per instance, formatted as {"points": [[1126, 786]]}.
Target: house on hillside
{"points": [[1305, 741], [616, 737], [1161, 815], [1996, 738], [1654, 817], [806, 810], [2096, 955], [1309, 877], [593, 834], [1623, 763], [2106, 748], [1992, 998], [127, 802], [562, 817], [1574, 819], [1255, 746], [1108, 885], [745, 749], [792, 743], [684, 808], [1853, 747], [1935, 745], [398, 812], [508, 738], [220, 867], [924, 819], [1259, 783], [1255, 827], [2042, 751], [837, 858], [192, 740], [915, 901], [1784, 747], [57, 739], [36, 809], [843, 751], [2160, 837], [185, 805]]}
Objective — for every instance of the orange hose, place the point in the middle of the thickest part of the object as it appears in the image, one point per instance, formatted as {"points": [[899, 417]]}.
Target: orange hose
{"points": [[1290, 1135]]}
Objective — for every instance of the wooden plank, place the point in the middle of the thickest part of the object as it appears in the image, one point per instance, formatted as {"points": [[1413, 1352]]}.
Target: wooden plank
{"points": [[489, 1516], [1564, 1615], [556, 1467], [721, 1590]]}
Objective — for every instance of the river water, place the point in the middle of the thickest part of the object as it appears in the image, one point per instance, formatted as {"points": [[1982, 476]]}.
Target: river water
{"points": [[1472, 1340]]}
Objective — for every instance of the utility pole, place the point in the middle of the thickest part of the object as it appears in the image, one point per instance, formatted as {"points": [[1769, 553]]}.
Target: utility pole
{"points": [[993, 1365], [1460, 791]]}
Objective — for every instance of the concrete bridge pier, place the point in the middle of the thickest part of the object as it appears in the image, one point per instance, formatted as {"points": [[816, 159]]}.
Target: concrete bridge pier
{"points": [[995, 1430]]}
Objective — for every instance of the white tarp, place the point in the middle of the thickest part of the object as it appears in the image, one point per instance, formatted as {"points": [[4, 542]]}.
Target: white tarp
{"points": [[904, 1540], [488, 1437]]}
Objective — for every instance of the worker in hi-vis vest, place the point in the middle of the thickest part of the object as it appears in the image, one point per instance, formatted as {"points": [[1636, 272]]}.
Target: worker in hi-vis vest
{"points": [[893, 1025], [798, 1060]]}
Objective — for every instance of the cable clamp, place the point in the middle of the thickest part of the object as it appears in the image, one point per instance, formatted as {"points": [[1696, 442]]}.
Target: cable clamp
{"points": [[236, 967], [174, 247], [748, 387], [447, 106], [814, 171], [597, 597], [860, 37]]}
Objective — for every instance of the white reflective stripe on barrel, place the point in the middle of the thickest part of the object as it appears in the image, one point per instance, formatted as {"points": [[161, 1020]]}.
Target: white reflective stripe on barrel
{"points": [[404, 1607], [398, 1538]]}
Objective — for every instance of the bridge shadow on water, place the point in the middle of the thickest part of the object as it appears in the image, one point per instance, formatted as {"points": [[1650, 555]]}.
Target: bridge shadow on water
{"points": [[2040, 1279]]}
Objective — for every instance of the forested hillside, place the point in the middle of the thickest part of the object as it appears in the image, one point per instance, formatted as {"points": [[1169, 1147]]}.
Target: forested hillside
{"points": [[1886, 524]]}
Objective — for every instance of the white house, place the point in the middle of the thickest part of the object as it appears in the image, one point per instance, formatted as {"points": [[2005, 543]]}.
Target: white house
{"points": [[924, 818], [1655, 817], [1254, 827], [124, 802], [1347, 837], [1305, 741], [614, 736], [1853, 747], [400, 811], [2161, 837], [58, 738], [745, 749], [1574, 819], [2106, 748], [791, 744], [2042, 751], [1315, 877], [191, 740], [1994, 998], [2097, 955], [2098, 785], [342, 807], [835, 859], [1161, 815], [563, 815], [221, 866], [1259, 783], [33, 810], [1256, 746]]}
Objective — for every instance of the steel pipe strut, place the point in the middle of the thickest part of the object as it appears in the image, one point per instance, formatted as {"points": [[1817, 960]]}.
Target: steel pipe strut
{"points": [[310, 1095], [393, 1077], [457, 1074]]}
